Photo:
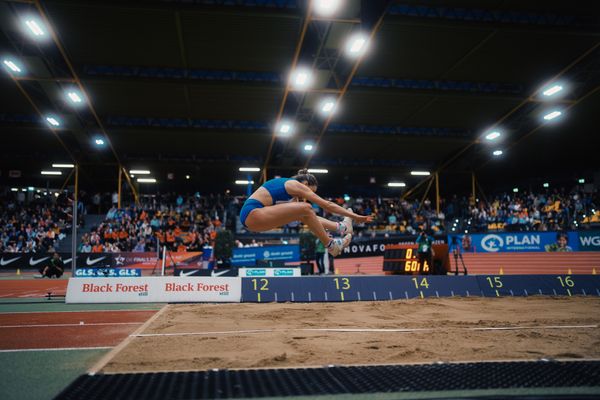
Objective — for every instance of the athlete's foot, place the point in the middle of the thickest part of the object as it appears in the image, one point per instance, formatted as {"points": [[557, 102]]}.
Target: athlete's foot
{"points": [[346, 240], [347, 223], [336, 246]]}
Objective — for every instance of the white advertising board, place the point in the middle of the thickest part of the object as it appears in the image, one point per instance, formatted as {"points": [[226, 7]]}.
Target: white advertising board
{"points": [[154, 289]]}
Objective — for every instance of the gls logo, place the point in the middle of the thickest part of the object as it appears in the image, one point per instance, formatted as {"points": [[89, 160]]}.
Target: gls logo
{"points": [[492, 243]]}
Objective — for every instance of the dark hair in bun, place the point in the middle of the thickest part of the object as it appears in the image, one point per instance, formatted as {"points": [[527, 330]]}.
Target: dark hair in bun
{"points": [[303, 176]]}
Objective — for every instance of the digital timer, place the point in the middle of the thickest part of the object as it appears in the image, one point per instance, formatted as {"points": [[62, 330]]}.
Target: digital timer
{"points": [[403, 259]]}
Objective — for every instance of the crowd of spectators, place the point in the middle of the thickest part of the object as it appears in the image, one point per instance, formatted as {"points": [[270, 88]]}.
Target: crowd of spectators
{"points": [[182, 223], [189, 222], [36, 226], [552, 210]]}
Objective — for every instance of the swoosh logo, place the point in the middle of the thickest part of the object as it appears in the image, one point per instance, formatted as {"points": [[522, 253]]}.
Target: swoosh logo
{"points": [[181, 273], [92, 262], [33, 262], [68, 260], [215, 274], [4, 262]]}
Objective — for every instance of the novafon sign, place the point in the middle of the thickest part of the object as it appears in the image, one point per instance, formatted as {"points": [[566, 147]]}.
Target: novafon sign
{"points": [[160, 289]]}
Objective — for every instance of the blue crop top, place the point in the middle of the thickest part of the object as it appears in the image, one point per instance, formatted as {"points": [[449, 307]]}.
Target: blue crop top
{"points": [[276, 188]]}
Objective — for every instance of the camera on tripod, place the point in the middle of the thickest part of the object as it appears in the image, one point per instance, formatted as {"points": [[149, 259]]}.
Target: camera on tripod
{"points": [[457, 252]]}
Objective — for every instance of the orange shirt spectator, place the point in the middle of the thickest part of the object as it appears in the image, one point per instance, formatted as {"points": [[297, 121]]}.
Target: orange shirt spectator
{"points": [[97, 248], [170, 237]]}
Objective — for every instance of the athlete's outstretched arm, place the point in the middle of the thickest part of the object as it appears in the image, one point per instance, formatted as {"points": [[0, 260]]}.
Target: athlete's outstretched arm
{"points": [[297, 189]]}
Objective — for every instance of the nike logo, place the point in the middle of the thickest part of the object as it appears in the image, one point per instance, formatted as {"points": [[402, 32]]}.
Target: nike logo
{"points": [[92, 262], [68, 260], [215, 274], [4, 262], [33, 262], [181, 273]]}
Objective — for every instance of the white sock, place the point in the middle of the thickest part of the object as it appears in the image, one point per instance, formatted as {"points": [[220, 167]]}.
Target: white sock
{"points": [[342, 228]]}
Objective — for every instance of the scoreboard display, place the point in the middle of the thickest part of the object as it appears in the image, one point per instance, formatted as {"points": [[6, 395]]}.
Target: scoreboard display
{"points": [[402, 259]]}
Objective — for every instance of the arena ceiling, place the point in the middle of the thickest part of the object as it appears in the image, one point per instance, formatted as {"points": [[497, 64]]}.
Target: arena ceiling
{"points": [[195, 87]]}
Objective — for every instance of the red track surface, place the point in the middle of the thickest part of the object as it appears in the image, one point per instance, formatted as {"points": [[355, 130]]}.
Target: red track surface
{"points": [[64, 329], [32, 287]]}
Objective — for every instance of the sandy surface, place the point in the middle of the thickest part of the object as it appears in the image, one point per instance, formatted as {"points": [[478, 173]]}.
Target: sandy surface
{"points": [[290, 334]]}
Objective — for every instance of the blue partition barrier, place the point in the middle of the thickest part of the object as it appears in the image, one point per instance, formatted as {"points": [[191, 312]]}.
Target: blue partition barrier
{"points": [[374, 288]]}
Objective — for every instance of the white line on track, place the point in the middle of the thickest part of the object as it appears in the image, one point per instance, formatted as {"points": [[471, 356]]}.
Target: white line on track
{"points": [[56, 349], [360, 330], [79, 311], [82, 323]]}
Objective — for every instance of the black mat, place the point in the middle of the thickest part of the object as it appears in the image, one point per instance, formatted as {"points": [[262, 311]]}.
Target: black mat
{"points": [[220, 384]]}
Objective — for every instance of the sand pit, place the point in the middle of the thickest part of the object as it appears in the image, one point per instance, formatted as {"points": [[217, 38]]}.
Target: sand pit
{"points": [[204, 336]]}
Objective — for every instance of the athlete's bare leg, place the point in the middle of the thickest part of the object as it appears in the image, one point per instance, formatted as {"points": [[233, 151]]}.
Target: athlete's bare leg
{"points": [[278, 215], [331, 226]]}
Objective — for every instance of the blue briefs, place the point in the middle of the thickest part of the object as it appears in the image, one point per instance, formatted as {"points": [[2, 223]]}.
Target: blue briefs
{"points": [[248, 206]]}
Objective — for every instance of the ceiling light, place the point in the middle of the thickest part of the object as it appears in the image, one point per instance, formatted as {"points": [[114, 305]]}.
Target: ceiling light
{"points": [[497, 153], [249, 169], [301, 78], [52, 120], [51, 173], [146, 180], [14, 189], [12, 65], [326, 7], [35, 27], [327, 106], [552, 115], [74, 97], [63, 165], [99, 142], [396, 184], [356, 45], [546, 185], [242, 182], [516, 190], [552, 90], [308, 147], [493, 135], [187, 177], [317, 171], [420, 173], [139, 172], [285, 128], [581, 180]]}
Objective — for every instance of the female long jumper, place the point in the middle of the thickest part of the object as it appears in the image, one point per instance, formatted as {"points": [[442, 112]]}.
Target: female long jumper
{"points": [[270, 207]]}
